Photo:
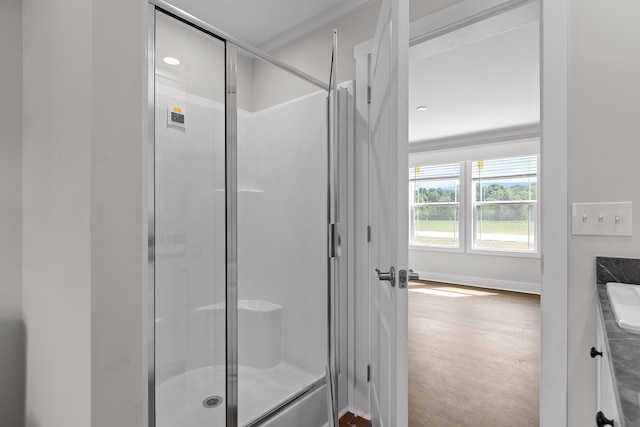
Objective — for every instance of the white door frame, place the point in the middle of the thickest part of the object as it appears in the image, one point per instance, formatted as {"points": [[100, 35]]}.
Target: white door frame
{"points": [[554, 198], [359, 351], [555, 229]]}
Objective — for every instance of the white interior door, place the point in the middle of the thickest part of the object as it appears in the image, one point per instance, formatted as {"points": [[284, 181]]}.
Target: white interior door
{"points": [[388, 210]]}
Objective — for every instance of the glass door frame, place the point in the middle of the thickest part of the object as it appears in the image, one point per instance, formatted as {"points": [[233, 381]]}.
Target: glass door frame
{"points": [[231, 190]]}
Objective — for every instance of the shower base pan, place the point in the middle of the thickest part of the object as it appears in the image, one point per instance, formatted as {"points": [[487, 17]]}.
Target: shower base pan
{"points": [[189, 399]]}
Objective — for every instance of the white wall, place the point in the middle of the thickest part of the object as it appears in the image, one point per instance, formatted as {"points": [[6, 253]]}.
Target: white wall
{"points": [[604, 135], [83, 250], [56, 203], [12, 334], [118, 213], [501, 272]]}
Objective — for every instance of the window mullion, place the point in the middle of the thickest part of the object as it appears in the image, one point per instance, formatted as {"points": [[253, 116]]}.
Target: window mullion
{"points": [[467, 217]]}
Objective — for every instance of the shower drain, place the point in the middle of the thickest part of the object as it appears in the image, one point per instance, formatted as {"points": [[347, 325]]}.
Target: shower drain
{"points": [[212, 401]]}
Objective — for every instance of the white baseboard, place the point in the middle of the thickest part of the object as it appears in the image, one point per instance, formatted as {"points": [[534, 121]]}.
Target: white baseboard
{"points": [[482, 282]]}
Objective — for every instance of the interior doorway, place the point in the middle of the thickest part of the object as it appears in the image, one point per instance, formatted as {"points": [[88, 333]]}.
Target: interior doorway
{"points": [[474, 164]]}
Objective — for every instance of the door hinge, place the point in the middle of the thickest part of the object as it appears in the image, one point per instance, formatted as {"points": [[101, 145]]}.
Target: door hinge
{"points": [[368, 373], [368, 233], [368, 94], [332, 240]]}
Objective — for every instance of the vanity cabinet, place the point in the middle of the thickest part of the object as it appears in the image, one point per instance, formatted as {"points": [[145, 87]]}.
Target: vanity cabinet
{"points": [[608, 413]]}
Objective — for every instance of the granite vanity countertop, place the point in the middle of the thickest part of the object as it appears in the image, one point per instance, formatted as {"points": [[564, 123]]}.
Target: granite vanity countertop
{"points": [[624, 351]]}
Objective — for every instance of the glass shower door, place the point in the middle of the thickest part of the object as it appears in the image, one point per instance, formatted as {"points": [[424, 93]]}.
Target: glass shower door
{"points": [[239, 223], [282, 238], [190, 262]]}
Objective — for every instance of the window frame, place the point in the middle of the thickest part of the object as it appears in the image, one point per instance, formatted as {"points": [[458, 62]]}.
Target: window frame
{"points": [[461, 212], [471, 214], [466, 207]]}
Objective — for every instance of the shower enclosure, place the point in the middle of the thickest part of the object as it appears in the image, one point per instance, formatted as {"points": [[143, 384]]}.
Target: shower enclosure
{"points": [[243, 240]]}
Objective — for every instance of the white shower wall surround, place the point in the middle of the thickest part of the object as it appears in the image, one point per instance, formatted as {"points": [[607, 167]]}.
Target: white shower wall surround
{"points": [[282, 226], [281, 258]]}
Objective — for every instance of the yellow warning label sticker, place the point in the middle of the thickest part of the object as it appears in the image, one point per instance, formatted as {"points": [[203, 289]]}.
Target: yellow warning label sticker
{"points": [[177, 110]]}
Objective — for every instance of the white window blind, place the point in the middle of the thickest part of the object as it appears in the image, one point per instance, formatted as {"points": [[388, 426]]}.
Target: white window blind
{"points": [[505, 168]]}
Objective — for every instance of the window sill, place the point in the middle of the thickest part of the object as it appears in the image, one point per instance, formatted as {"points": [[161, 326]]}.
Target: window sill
{"points": [[512, 254], [436, 249], [515, 254]]}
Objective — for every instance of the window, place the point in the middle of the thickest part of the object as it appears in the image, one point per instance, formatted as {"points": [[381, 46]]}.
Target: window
{"points": [[505, 203], [435, 205], [494, 201]]}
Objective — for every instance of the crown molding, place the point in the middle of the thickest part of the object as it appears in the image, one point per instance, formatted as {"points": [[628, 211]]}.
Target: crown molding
{"points": [[297, 31]]}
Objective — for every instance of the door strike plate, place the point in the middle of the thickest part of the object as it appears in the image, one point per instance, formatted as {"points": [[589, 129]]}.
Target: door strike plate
{"points": [[402, 279]]}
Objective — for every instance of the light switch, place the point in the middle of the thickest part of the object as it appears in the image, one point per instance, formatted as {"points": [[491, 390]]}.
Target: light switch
{"points": [[601, 219]]}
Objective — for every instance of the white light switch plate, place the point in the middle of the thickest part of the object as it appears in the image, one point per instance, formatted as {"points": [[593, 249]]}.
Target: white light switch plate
{"points": [[601, 219]]}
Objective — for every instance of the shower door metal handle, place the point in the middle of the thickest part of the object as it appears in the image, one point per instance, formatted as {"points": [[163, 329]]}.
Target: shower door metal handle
{"points": [[389, 276]]}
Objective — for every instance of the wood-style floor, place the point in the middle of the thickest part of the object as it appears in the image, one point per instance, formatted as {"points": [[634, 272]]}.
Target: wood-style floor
{"points": [[351, 420], [474, 357]]}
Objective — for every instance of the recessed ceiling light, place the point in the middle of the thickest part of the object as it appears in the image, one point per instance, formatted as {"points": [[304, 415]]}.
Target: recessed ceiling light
{"points": [[422, 108], [171, 60]]}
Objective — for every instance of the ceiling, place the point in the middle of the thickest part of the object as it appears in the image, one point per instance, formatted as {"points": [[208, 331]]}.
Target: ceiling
{"points": [[481, 77], [267, 21], [489, 82]]}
